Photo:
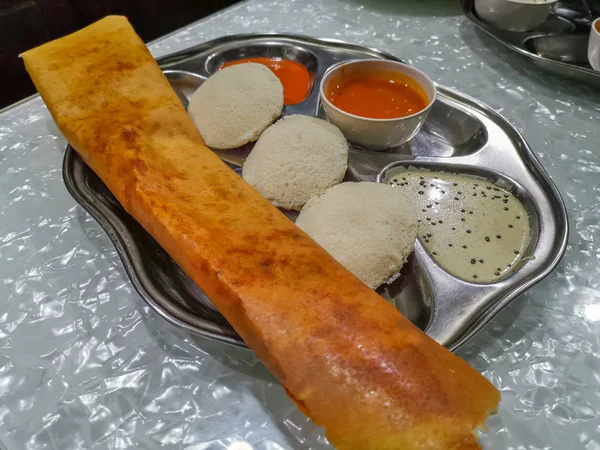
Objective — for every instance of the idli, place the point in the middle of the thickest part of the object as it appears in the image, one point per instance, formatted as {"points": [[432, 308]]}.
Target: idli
{"points": [[295, 159], [370, 228], [236, 104]]}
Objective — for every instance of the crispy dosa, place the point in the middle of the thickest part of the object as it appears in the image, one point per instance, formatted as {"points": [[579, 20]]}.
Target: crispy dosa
{"points": [[347, 358]]}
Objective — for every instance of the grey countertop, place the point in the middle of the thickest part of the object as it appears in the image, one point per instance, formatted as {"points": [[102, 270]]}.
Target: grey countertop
{"points": [[84, 363]]}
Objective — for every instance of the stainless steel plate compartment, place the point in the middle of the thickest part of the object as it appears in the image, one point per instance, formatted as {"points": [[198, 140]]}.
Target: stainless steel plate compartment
{"points": [[558, 46], [461, 135]]}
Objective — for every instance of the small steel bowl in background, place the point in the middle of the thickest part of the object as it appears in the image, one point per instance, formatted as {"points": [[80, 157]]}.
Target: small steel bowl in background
{"points": [[377, 134], [514, 15], [594, 45]]}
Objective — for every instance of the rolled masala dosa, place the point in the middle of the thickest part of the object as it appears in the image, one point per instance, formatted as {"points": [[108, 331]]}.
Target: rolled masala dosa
{"points": [[347, 358]]}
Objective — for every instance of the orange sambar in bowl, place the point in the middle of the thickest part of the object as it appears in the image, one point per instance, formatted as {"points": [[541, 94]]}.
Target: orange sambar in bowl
{"points": [[377, 94], [294, 77]]}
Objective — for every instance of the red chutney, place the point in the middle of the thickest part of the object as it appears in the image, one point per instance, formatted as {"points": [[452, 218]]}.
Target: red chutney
{"points": [[294, 77], [377, 94]]}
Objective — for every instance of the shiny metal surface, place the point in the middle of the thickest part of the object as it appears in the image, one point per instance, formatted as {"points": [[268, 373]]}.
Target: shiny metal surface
{"points": [[514, 16], [558, 46], [85, 363], [448, 309]]}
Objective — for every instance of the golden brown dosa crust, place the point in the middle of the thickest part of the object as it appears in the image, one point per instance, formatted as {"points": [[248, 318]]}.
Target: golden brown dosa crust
{"points": [[347, 357]]}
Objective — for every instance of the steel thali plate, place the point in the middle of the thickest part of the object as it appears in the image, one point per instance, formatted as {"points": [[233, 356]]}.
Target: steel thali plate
{"points": [[460, 135], [558, 46]]}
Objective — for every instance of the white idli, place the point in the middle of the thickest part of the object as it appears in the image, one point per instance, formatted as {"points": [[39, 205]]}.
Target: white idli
{"points": [[236, 104], [295, 159], [370, 228]]}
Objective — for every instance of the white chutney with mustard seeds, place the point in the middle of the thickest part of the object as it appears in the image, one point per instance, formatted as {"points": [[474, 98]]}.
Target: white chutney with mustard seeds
{"points": [[473, 228]]}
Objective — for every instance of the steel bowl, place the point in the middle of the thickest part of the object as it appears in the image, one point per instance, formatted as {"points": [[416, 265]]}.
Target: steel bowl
{"points": [[514, 15]]}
